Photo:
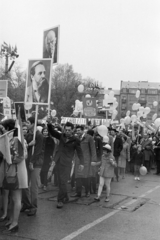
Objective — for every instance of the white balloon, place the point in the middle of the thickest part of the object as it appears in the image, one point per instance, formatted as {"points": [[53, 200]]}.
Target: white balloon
{"points": [[102, 130], [88, 96], [115, 112], [28, 106], [127, 120], [138, 93], [157, 122], [155, 103], [154, 117], [53, 113], [134, 107], [144, 115], [141, 109], [128, 113], [115, 104], [111, 93], [147, 110], [80, 88], [134, 118], [139, 114]]}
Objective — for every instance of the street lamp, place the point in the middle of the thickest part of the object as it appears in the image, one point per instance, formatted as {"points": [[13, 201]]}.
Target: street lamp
{"points": [[8, 52]]}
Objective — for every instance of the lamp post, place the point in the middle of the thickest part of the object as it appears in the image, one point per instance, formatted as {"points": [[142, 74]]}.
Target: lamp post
{"points": [[8, 52]]}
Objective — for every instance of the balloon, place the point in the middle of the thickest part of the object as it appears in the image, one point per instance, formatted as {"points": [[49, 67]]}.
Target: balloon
{"points": [[133, 118], [138, 93], [134, 106], [147, 110], [128, 113], [102, 130], [154, 117], [53, 113], [127, 120], [138, 105], [88, 96], [157, 122], [143, 170], [139, 114], [111, 93], [155, 103], [115, 104], [80, 88], [105, 139], [141, 109]]}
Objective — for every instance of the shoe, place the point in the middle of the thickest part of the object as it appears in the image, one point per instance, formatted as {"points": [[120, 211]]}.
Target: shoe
{"points": [[117, 179], [97, 199], [12, 230], [32, 212], [60, 205], [24, 208], [76, 195], [2, 219], [7, 224], [87, 195], [135, 178], [107, 200], [138, 178]]}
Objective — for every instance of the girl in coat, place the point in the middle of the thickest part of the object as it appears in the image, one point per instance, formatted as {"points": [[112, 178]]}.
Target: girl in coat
{"points": [[106, 171]]}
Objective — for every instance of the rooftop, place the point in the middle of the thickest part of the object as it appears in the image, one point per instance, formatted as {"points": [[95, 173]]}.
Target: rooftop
{"points": [[139, 85]]}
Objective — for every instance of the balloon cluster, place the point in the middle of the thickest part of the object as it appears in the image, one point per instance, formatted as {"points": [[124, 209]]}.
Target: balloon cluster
{"points": [[110, 99]]}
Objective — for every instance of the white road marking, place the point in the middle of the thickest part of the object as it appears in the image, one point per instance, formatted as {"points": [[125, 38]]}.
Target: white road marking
{"points": [[108, 215]]}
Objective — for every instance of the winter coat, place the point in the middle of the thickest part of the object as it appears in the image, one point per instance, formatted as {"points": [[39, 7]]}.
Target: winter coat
{"points": [[107, 166], [38, 155], [157, 150], [147, 149], [89, 153], [117, 146], [66, 148], [138, 158], [48, 151]]}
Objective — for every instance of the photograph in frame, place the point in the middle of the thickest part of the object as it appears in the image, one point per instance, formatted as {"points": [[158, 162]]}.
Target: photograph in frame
{"points": [[51, 44], [38, 84]]}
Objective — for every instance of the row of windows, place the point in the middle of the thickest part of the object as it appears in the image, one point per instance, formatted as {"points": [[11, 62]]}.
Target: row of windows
{"points": [[143, 91]]}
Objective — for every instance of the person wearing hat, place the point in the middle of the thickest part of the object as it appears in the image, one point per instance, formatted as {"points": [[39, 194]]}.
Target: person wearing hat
{"points": [[106, 171], [117, 148]]}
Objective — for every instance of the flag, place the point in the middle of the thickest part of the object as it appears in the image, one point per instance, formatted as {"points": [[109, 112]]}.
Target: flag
{"points": [[5, 147], [20, 134]]}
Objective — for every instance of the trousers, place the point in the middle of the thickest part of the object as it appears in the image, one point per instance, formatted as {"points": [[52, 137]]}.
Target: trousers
{"points": [[30, 195], [63, 173], [82, 182]]}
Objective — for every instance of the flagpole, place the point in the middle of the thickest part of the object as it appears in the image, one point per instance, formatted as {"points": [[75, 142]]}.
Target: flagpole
{"points": [[35, 126]]}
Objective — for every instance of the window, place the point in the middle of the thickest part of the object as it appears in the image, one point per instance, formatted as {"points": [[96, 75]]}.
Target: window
{"points": [[123, 106], [152, 91], [133, 91], [143, 91]]}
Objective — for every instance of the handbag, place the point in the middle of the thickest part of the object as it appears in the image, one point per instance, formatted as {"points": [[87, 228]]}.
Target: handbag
{"points": [[11, 182]]}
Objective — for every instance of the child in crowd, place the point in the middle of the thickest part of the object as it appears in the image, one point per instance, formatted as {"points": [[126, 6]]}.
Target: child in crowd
{"points": [[138, 159], [106, 171]]}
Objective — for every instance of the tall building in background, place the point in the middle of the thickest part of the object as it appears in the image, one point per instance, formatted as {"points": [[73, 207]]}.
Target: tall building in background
{"points": [[150, 92]]}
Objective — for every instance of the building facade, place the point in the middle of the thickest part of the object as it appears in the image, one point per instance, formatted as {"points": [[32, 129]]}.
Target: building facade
{"points": [[149, 92]]}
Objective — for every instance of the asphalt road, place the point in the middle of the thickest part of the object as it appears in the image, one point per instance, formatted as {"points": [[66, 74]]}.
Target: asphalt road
{"points": [[133, 213]]}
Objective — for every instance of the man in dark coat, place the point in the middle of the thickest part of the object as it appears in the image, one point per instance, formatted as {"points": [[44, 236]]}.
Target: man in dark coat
{"points": [[89, 153], [68, 144], [117, 148]]}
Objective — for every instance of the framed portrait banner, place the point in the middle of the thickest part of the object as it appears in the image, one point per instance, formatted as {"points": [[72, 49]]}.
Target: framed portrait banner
{"points": [[20, 105], [38, 84], [51, 44]]}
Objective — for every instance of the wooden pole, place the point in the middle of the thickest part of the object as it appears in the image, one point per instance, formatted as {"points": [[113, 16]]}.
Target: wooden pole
{"points": [[35, 126]]}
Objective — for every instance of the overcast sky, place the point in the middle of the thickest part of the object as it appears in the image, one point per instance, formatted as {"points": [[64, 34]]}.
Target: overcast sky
{"points": [[108, 40]]}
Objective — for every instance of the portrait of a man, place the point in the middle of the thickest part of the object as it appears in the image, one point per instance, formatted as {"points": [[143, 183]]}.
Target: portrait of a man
{"points": [[51, 44], [38, 81]]}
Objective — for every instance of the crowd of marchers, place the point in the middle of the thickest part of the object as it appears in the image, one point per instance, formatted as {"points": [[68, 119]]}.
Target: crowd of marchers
{"points": [[70, 154]]}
